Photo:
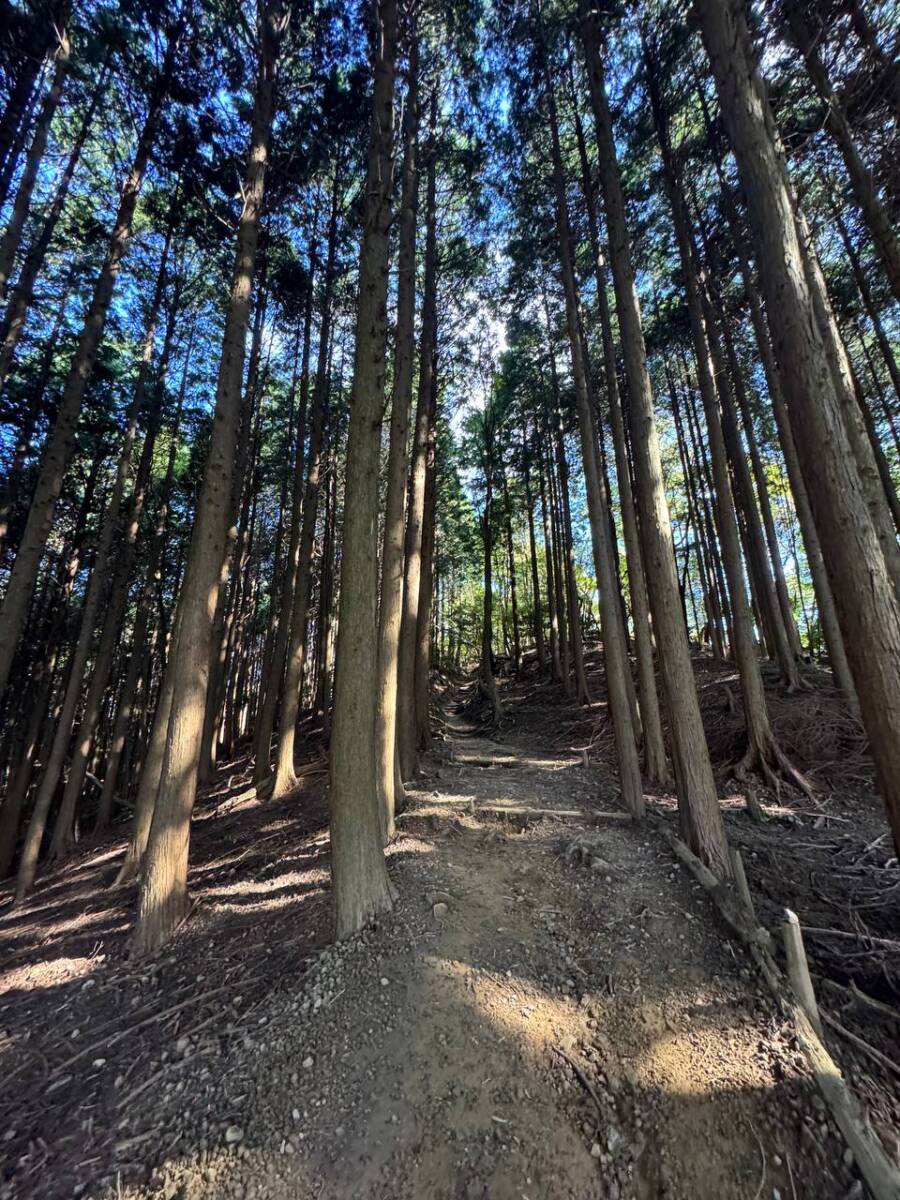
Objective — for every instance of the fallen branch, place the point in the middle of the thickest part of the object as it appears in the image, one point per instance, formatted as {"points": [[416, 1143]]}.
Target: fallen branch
{"points": [[862, 1044], [582, 1078], [107, 1042], [852, 936]]}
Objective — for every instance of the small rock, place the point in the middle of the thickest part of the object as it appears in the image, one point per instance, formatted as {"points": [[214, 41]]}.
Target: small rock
{"points": [[307, 1062], [384, 981], [233, 1135], [596, 1150], [440, 911]]}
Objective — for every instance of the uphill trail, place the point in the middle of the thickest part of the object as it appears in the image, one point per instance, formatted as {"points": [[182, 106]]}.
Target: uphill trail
{"points": [[549, 1012]]}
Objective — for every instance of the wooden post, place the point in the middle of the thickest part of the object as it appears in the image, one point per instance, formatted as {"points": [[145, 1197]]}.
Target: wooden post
{"points": [[798, 968], [740, 881], [754, 808]]}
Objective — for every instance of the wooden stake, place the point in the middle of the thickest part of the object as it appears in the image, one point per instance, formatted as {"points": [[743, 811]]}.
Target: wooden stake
{"points": [[754, 808], [876, 1166], [798, 968], [740, 881]]}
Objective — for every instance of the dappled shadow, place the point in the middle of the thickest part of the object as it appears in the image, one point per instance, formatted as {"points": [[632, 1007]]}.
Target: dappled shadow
{"points": [[82, 1021]]}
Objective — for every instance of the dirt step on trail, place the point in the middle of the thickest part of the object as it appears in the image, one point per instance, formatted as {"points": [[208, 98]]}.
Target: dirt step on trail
{"points": [[550, 1011]]}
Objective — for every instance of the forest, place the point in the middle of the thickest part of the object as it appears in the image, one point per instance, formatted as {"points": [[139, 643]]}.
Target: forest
{"points": [[449, 599]]}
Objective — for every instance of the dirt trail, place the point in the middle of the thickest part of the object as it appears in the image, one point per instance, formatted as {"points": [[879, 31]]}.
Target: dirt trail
{"points": [[549, 1012]]}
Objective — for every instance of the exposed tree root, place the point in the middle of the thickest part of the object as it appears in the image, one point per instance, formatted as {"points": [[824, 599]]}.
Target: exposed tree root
{"points": [[765, 757]]}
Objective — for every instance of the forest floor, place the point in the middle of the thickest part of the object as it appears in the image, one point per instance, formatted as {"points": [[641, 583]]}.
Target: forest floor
{"points": [[552, 1009]]}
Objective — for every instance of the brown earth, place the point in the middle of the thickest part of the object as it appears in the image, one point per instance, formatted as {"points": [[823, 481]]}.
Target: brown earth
{"points": [[552, 1010]]}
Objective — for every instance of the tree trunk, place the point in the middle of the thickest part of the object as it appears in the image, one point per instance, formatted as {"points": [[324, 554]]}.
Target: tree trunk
{"points": [[61, 442], [391, 610], [163, 896], [360, 881], [422, 666], [486, 672], [615, 645], [273, 683], [285, 778], [23, 289], [866, 599], [654, 750], [707, 581], [513, 581], [868, 302], [763, 752], [142, 621], [96, 594], [406, 652], [63, 834], [555, 658], [701, 820], [536, 613], [862, 182], [9, 244], [11, 487]]}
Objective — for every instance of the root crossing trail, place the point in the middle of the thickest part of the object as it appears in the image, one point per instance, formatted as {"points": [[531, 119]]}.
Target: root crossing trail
{"points": [[549, 1012]]}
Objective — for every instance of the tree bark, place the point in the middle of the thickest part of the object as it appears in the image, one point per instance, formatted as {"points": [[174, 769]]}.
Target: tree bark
{"points": [[360, 881], [142, 622], [406, 652], [701, 819], [613, 630], [391, 610], [763, 752], [285, 778], [654, 750], [163, 896], [96, 594], [866, 599]]}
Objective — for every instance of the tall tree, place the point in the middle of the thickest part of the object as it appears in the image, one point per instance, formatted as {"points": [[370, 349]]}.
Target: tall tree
{"points": [[360, 881], [163, 894], [867, 603], [698, 804]]}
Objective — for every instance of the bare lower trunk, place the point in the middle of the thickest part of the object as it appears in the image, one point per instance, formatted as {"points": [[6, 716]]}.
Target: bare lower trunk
{"points": [[555, 658], [391, 610], [422, 668], [866, 600], [763, 752], [615, 645], [285, 778], [654, 750], [360, 881], [406, 651], [163, 896], [701, 819], [273, 678]]}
